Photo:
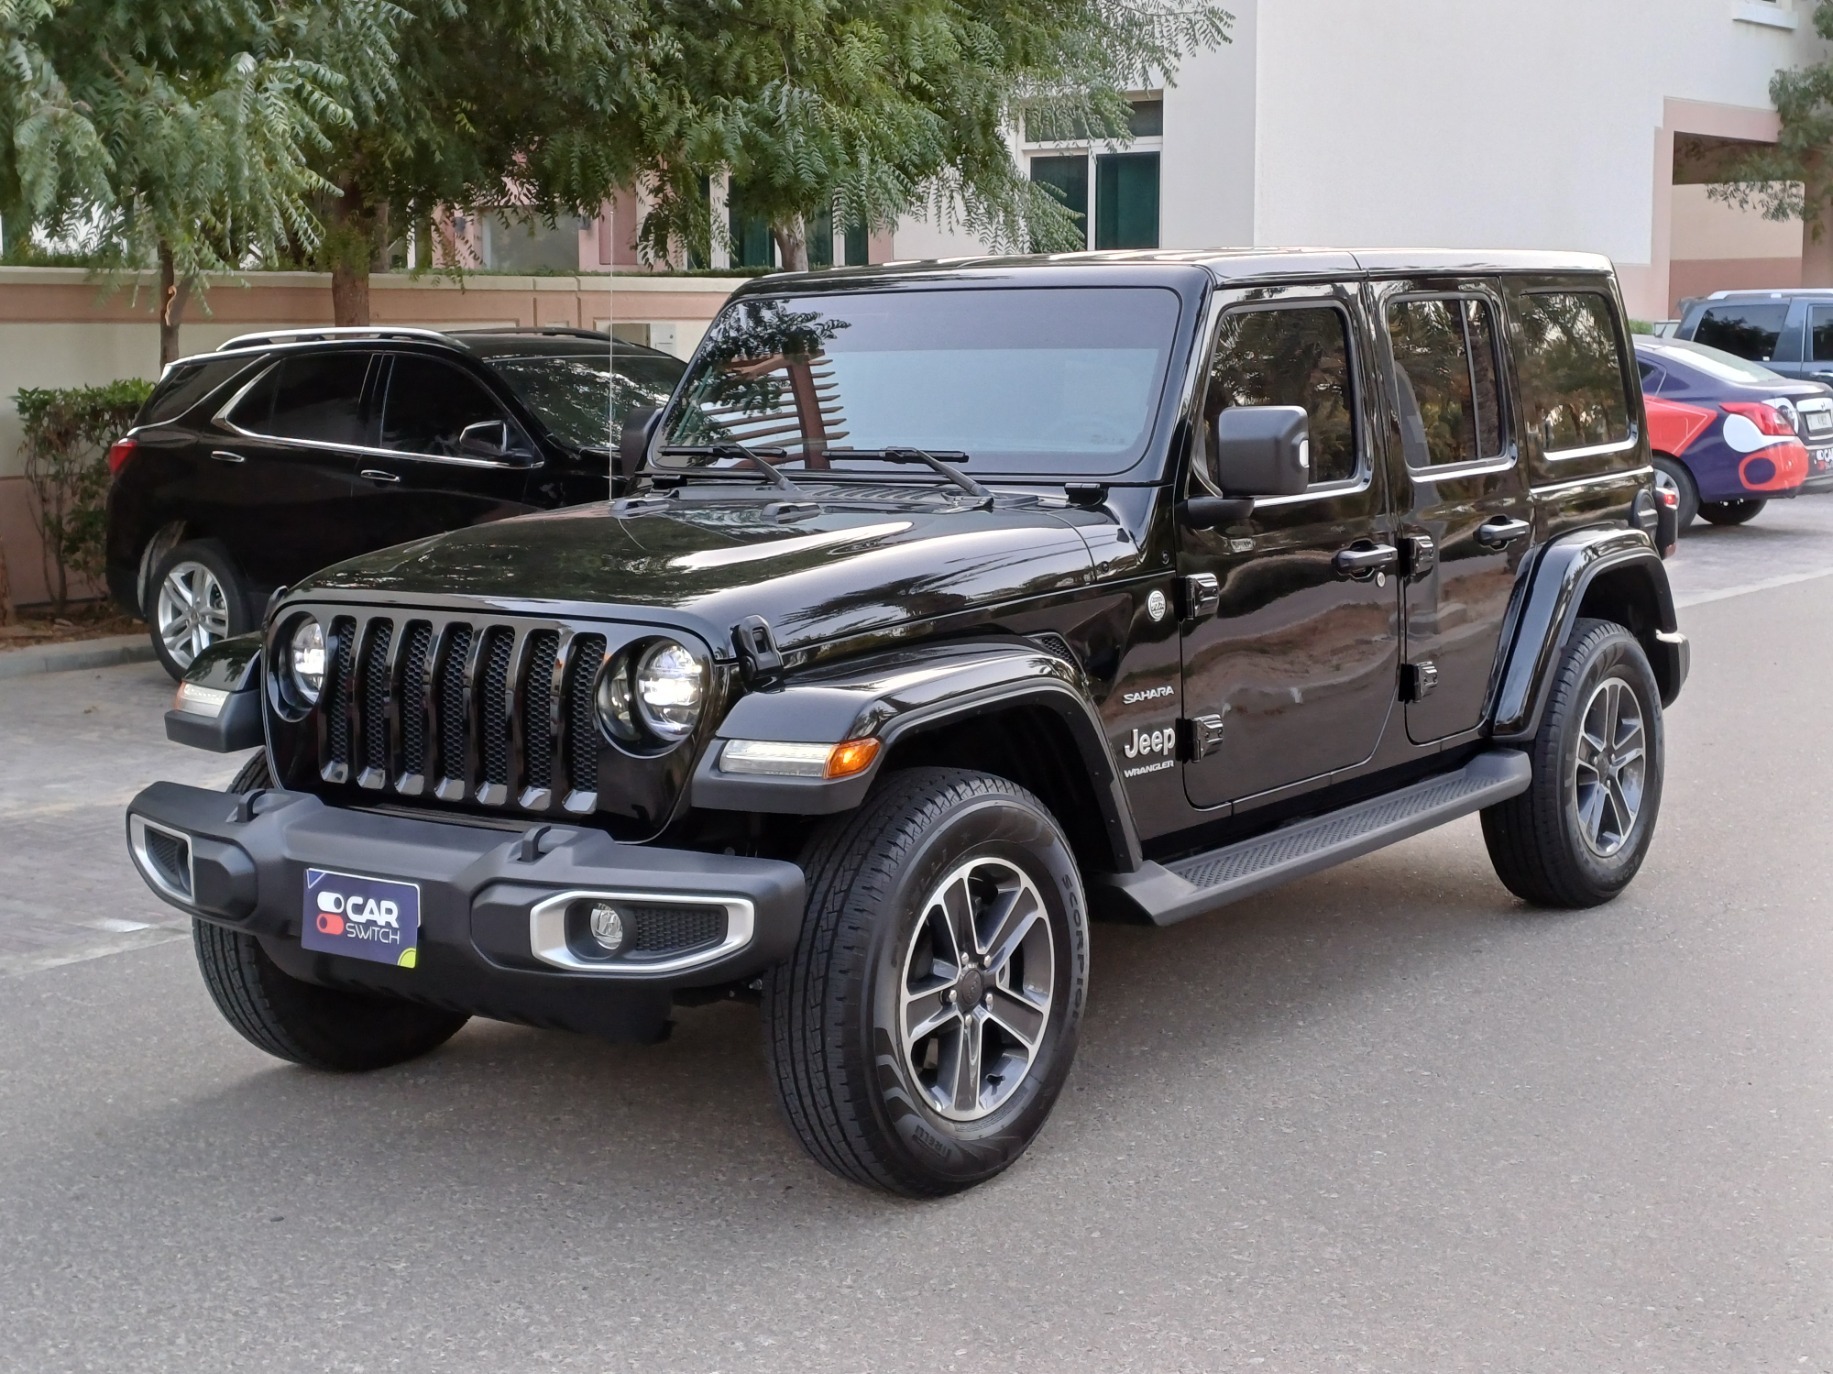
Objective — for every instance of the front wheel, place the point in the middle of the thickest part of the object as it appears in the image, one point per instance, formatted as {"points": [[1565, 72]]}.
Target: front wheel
{"points": [[923, 1027], [1677, 473], [1579, 833], [1730, 512], [198, 598]]}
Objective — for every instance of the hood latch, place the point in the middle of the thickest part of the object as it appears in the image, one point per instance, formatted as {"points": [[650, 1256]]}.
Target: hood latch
{"points": [[759, 662]]}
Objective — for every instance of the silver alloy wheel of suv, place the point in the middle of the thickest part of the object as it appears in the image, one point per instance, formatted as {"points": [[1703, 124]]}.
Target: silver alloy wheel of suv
{"points": [[191, 612]]}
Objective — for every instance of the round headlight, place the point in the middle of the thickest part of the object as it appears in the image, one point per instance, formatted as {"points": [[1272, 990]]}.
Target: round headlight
{"points": [[617, 702], [305, 661], [670, 690]]}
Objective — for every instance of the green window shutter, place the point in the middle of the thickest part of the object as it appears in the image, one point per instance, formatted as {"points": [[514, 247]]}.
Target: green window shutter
{"points": [[752, 245], [821, 239], [1068, 177], [1126, 200], [858, 246]]}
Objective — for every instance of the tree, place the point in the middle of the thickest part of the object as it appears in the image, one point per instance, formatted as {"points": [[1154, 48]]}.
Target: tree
{"points": [[878, 108], [178, 132], [1794, 178]]}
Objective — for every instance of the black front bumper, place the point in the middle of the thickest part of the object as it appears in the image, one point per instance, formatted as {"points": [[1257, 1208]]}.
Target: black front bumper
{"points": [[487, 941]]}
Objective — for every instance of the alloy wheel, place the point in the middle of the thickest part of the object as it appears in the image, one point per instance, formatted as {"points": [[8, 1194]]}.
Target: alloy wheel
{"points": [[977, 987], [1611, 767], [192, 611]]}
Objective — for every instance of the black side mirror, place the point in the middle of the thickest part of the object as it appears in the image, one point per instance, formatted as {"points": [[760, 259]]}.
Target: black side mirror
{"points": [[633, 443], [1261, 451], [485, 439]]}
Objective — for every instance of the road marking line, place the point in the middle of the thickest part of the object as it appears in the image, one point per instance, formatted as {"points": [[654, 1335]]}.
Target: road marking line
{"points": [[1701, 598], [13, 965]]}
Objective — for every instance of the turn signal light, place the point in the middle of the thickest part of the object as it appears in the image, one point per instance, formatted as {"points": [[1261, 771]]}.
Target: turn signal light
{"points": [[118, 454], [855, 756], [787, 759]]}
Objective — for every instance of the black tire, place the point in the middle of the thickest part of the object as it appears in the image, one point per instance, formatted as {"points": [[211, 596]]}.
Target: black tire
{"points": [[322, 1028], [1730, 512], [234, 616], [1537, 841], [1682, 478], [833, 1010]]}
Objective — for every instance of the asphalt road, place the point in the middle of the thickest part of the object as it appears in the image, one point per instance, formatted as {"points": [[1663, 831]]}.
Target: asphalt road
{"points": [[1384, 1119]]}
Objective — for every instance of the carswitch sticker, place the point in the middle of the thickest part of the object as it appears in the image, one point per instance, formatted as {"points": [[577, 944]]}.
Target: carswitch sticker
{"points": [[361, 918]]}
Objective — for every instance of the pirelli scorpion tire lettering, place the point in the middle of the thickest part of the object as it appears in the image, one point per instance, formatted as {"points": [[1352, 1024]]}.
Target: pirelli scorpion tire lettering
{"points": [[925, 1024], [321, 1028], [1577, 836]]}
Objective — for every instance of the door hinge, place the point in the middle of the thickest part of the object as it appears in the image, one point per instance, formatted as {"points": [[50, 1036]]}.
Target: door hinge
{"points": [[759, 662], [1202, 736], [1418, 555], [1202, 594], [1417, 680]]}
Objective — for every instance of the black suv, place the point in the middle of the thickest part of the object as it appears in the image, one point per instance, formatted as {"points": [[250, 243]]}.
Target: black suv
{"points": [[282, 452], [951, 602]]}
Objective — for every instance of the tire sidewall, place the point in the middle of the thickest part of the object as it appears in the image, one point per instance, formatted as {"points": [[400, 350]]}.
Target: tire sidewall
{"points": [[1614, 655], [962, 1152]]}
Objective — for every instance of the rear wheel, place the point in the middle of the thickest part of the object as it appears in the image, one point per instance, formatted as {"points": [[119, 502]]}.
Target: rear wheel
{"points": [[198, 598], [1676, 472], [921, 1031], [1730, 512], [322, 1028]]}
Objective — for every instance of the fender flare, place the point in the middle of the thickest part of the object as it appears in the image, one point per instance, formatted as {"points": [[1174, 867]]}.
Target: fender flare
{"points": [[895, 695], [1545, 611]]}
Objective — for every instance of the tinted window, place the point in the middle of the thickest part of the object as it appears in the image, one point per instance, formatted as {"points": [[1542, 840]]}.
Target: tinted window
{"points": [[187, 384], [429, 404], [1450, 401], [1651, 375], [1573, 385], [1750, 331], [1292, 358], [318, 398], [1820, 333], [1053, 381], [570, 393]]}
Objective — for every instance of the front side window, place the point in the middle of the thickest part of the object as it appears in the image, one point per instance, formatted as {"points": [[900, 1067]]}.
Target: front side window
{"points": [[1450, 397], [1750, 331], [429, 403], [572, 393], [1045, 381], [1574, 386], [317, 398], [1295, 357]]}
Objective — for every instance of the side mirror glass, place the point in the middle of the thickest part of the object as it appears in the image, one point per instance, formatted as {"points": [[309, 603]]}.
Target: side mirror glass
{"points": [[1261, 451], [633, 442], [485, 439]]}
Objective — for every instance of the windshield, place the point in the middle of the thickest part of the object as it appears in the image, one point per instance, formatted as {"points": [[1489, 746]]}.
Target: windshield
{"points": [[568, 391], [1051, 381], [1715, 362]]}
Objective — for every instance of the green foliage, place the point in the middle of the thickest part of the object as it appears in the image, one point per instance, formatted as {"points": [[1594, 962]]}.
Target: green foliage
{"points": [[67, 434], [1776, 180]]}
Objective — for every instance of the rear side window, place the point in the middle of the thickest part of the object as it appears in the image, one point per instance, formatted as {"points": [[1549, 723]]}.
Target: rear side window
{"points": [[1820, 333], [317, 398], [1574, 387], [1296, 357], [1750, 331], [1449, 397], [1651, 375], [185, 385]]}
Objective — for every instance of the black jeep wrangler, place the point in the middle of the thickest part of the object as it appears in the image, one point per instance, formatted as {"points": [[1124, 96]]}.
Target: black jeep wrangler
{"points": [[946, 604]]}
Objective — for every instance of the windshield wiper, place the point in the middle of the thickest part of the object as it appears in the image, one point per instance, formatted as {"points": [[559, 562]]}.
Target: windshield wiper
{"points": [[731, 448], [931, 460]]}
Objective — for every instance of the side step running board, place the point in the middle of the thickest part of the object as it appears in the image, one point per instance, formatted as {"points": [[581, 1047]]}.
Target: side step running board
{"points": [[1173, 892]]}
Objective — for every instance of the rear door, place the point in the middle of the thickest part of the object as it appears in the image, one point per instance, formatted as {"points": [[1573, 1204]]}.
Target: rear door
{"points": [[1466, 521]]}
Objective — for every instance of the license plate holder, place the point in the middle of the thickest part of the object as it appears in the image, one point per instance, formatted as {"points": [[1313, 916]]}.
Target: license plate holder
{"points": [[361, 917]]}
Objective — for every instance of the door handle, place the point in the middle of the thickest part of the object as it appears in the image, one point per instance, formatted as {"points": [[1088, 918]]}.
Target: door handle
{"points": [[1497, 533], [1362, 560], [377, 475], [223, 455]]}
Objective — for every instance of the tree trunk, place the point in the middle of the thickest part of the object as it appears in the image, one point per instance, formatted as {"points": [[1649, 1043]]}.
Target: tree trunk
{"points": [[1817, 225], [351, 248], [6, 590], [349, 293], [173, 294], [792, 243]]}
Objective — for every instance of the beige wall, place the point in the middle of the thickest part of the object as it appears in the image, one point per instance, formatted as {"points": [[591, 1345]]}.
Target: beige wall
{"points": [[59, 327]]}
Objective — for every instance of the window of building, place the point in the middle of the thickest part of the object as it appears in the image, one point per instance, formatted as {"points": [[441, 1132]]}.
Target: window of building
{"points": [[1125, 181], [530, 245], [1574, 384], [1750, 331], [317, 398], [1450, 398], [1292, 357]]}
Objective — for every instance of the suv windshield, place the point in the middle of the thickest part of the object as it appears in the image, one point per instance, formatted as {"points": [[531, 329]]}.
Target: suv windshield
{"points": [[568, 391], [1046, 381]]}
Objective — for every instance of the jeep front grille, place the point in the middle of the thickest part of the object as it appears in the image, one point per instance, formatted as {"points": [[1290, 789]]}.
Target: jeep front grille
{"points": [[497, 714]]}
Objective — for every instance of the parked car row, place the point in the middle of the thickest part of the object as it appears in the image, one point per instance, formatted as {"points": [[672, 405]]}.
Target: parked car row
{"points": [[285, 452]]}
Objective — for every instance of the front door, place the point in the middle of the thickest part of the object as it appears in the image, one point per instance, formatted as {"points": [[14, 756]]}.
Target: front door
{"points": [[1292, 675], [1467, 518]]}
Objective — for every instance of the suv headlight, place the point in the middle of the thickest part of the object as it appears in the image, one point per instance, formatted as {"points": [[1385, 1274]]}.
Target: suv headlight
{"points": [[670, 690], [305, 661]]}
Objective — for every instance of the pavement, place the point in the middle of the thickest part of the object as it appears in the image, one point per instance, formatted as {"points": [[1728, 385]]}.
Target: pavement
{"points": [[1384, 1119]]}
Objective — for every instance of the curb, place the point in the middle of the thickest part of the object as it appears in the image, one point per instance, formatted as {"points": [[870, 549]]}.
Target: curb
{"points": [[67, 658]]}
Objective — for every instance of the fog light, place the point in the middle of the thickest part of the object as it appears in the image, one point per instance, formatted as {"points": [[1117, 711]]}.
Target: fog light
{"points": [[607, 927]]}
